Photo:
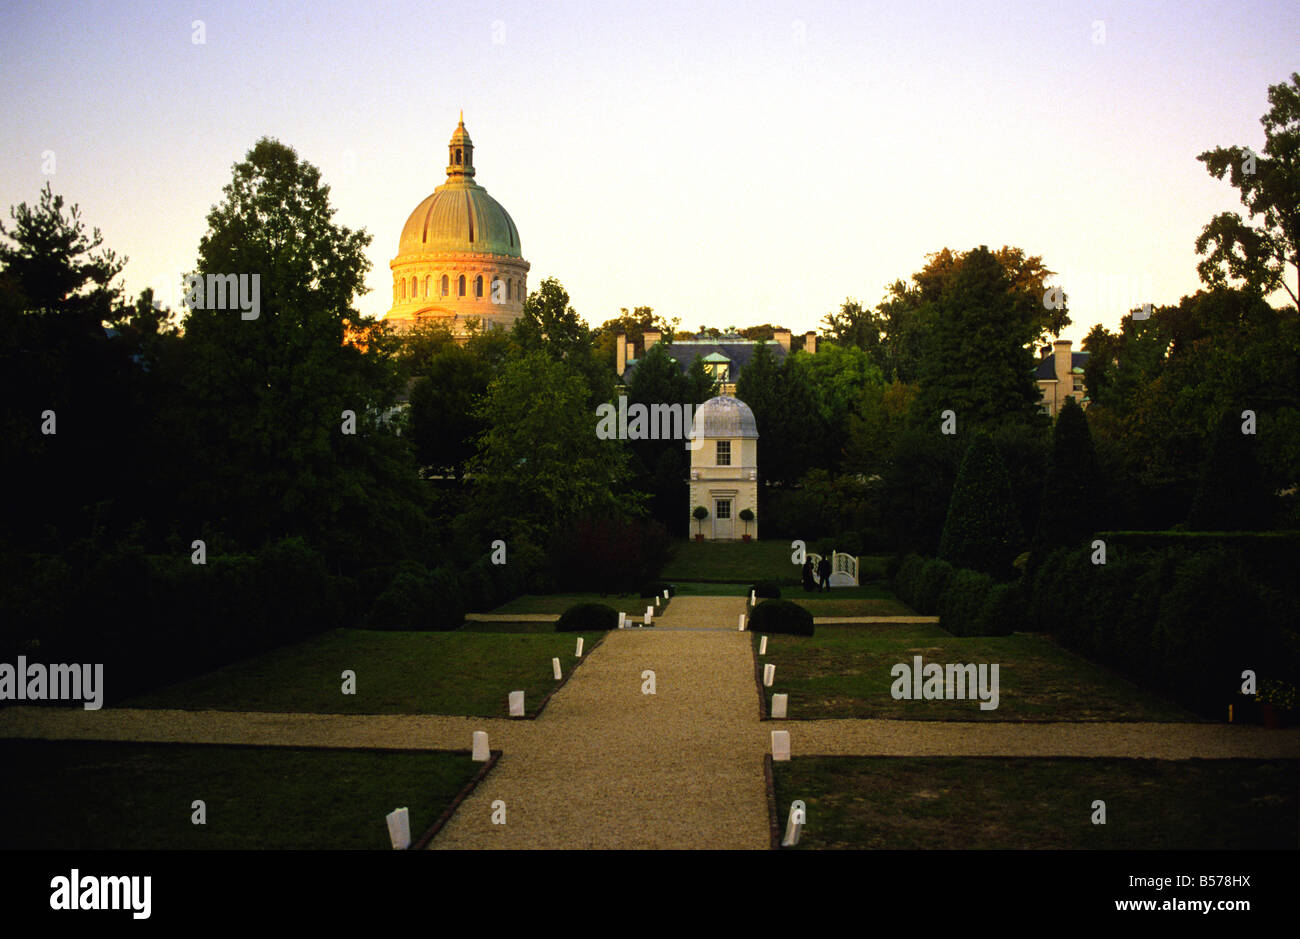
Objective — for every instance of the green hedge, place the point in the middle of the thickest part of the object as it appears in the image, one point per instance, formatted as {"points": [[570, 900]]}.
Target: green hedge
{"points": [[934, 578], [1183, 622], [157, 619], [766, 590], [961, 605], [585, 617], [781, 616], [907, 579]]}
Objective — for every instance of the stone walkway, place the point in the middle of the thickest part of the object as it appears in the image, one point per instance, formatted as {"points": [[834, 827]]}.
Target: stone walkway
{"points": [[606, 766]]}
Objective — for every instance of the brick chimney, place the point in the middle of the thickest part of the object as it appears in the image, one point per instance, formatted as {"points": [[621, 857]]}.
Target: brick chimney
{"points": [[620, 353], [783, 336], [651, 337], [810, 342], [1064, 362]]}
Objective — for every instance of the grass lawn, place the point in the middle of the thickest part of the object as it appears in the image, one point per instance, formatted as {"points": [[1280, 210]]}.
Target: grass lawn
{"points": [[469, 673], [871, 599], [79, 795], [733, 561], [557, 603], [844, 671], [905, 803]]}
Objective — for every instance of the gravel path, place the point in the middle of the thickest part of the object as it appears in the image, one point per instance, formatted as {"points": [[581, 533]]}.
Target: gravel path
{"points": [[607, 766]]}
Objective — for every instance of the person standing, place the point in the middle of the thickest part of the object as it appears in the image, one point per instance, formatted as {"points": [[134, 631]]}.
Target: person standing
{"points": [[809, 577], [824, 573]]}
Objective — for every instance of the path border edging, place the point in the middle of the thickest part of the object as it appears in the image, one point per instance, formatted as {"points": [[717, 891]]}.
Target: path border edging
{"points": [[466, 790]]}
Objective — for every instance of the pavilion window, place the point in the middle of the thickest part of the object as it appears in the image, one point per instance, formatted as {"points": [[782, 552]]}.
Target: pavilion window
{"points": [[724, 453], [446, 285], [478, 287], [461, 286]]}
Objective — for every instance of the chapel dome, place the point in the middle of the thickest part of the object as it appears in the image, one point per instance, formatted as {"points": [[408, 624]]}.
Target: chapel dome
{"points": [[724, 416], [459, 216]]}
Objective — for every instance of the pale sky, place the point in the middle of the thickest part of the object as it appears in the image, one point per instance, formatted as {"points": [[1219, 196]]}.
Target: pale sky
{"points": [[728, 163]]}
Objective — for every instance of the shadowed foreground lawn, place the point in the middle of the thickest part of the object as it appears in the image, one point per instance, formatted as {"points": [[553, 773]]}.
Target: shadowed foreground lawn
{"points": [[906, 803], [844, 671], [396, 673], [81, 795]]}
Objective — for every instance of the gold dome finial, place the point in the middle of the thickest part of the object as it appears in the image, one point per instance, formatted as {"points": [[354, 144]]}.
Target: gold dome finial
{"points": [[462, 117]]}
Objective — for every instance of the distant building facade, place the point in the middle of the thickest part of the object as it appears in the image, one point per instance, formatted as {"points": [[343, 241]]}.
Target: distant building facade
{"points": [[1059, 375], [724, 357], [724, 469]]}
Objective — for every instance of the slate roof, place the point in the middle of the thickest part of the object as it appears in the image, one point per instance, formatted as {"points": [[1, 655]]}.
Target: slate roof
{"points": [[736, 351], [1046, 370]]}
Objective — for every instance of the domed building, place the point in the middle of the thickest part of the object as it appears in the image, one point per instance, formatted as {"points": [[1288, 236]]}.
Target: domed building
{"points": [[459, 256], [724, 468]]}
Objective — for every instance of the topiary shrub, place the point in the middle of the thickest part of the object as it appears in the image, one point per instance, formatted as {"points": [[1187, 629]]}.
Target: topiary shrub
{"points": [[1003, 612], [908, 578], [962, 602], [982, 531], [781, 616], [448, 610], [930, 585], [406, 601], [766, 590], [587, 617], [479, 591]]}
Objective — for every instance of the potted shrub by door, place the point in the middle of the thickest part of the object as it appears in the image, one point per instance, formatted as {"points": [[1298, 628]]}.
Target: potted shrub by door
{"points": [[700, 513], [746, 516], [1276, 702]]}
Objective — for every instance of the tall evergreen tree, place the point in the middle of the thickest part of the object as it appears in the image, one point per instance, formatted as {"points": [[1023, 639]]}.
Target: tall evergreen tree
{"points": [[1069, 506], [1231, 495], [982, 531]]}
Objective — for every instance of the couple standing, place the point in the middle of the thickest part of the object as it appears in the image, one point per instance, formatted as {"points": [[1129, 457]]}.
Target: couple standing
{"points": [[823, 575]]}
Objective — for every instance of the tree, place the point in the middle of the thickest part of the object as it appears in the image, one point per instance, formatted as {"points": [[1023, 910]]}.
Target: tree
{"points": [[291, 429], [977, 359], [547, 321], [540, 463], [982, 531], [791, 433], [57, 364], [1258, 255], [1070, 493], [444, 399], [1231, 495], [856, 326]]}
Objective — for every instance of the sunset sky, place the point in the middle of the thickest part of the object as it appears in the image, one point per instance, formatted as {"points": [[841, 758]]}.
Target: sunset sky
{"points": [[728, 164]]}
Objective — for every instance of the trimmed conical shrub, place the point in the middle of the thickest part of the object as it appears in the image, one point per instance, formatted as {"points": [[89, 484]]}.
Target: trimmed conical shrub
{"points": [[982, 531], [1231, 495], [1071, 495]]}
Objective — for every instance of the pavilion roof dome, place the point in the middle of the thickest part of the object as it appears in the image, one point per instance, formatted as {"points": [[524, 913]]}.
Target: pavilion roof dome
{"points": [[724, 416]]}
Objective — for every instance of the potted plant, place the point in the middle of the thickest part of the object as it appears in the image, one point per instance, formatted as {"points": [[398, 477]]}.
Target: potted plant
{"points": [[746, 516], [700, 513], [1276, 701]]}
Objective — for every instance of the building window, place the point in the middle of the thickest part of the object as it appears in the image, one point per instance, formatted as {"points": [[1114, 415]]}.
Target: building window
{"points": [[724, 509], [415, 287], [461, 286], [403, 288], [478, 287], [509, 285], [428, 285], [1078, 383], [458, 157], [446, 285], [724, 453]]}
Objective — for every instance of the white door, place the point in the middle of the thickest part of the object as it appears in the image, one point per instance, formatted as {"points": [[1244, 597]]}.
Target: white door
{"points": [[722, 520]]}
